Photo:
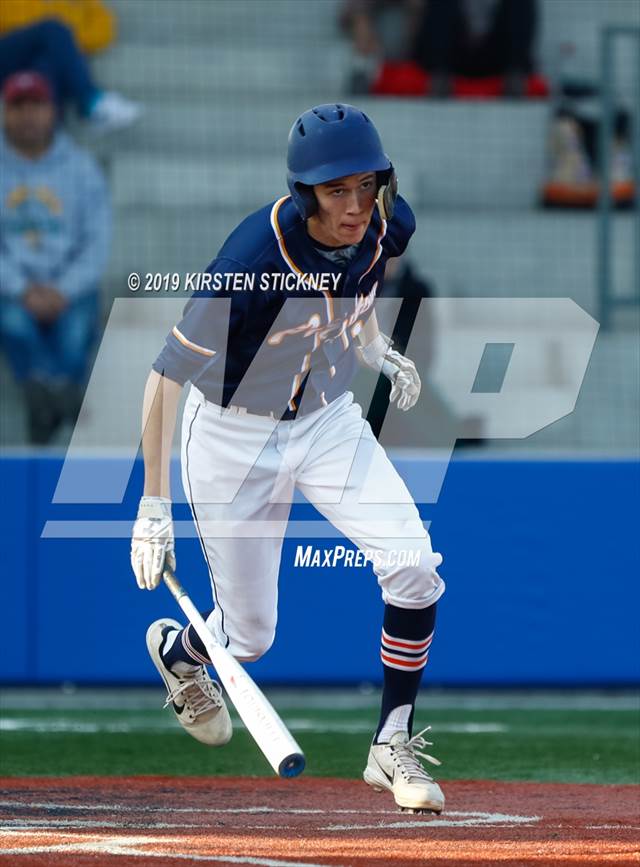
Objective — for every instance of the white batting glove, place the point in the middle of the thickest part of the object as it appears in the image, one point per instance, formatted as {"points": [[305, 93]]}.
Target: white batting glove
{"points": [[399, 370], [152, 542]]}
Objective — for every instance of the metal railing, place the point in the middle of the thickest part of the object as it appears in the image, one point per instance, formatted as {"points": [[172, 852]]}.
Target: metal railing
{"points": [[609, 299]]}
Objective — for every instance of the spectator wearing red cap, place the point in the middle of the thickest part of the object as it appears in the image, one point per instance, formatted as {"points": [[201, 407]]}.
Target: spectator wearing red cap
{"points": [[55, 225], [26, 86], [49, 46]]}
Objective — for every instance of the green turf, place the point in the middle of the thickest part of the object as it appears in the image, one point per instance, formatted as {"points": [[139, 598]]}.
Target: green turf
{"points": [[598, 746]]}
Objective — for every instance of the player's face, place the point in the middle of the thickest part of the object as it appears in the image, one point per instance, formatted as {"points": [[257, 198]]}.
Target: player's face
{"points": [[344, 211]]}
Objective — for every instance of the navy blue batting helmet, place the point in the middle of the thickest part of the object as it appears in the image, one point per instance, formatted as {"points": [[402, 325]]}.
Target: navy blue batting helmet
{"points": [[332, 141]]}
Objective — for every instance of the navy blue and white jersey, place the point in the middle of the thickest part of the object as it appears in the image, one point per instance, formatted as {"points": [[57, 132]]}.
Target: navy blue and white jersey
{"points": [[292, 315]]}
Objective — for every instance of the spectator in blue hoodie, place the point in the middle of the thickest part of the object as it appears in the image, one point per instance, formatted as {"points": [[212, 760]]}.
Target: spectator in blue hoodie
{"points": [[55, 223]]}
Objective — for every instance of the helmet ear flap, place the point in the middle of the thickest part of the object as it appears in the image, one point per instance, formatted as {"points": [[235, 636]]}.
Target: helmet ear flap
{"points": [[387, 194], [309, 200], [304, 199]]}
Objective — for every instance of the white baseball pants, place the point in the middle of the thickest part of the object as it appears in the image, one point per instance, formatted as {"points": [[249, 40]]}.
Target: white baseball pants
{"points": [[239, 473]]}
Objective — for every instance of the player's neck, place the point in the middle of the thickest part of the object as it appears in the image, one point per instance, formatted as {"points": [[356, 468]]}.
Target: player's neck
{"points": [[320, 245], [320, 235]]}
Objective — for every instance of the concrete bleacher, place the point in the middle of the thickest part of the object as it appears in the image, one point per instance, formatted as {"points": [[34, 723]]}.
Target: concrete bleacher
{"points": [[222, 82], [296, 33], [478, 228], [462, 253], [239, 157], [171, 22]]}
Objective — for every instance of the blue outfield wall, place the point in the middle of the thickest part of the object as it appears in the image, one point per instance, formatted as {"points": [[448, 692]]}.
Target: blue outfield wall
{"points": [[541, 564]]}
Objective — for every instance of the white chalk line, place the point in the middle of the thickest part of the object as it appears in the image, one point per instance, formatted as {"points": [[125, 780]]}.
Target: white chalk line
{"points": [[130, 846], [463, 820], [9, 825], [257, 810], [453, 818], [68, 725], [123, 808]]}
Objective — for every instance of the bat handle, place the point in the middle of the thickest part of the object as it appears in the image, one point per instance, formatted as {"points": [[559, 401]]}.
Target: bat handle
{"points": [[176, 588], [180, 595]]}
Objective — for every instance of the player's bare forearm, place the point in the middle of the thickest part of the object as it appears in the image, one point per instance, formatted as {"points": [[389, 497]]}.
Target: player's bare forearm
{"points": [[159, 410]]}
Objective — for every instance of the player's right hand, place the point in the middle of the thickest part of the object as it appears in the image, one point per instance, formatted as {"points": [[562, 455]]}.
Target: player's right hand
{"points": [[152, 542]]}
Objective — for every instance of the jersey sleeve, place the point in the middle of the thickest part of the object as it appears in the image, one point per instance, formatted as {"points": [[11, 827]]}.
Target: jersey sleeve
{"points": [[201, 336], [399, 229]]}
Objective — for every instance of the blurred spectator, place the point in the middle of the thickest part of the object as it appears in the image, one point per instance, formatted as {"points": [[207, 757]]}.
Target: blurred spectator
{"points": [[54, 234], [463, 48], [50, 37], [476, 39], [432, 423], [573, 160], [381, 30]]}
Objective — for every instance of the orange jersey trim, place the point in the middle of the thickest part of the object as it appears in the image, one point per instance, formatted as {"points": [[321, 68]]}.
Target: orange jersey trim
{"points": [[195, 347], [275, 225], [378, 251]]}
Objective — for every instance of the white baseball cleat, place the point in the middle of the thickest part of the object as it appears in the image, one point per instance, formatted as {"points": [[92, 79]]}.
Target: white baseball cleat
{"points": [[395, 766], [197, 701]]}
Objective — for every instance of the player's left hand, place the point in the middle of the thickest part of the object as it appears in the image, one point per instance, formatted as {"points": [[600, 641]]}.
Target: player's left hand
{"points": [[399, 370], [404, 377]]}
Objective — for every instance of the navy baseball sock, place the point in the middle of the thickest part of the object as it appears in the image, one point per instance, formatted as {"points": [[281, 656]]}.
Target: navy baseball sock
{"points": [[406, 637], [185, 650]]}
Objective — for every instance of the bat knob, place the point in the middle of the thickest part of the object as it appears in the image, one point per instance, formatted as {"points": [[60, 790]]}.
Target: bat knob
{"points": [[292, 765]]}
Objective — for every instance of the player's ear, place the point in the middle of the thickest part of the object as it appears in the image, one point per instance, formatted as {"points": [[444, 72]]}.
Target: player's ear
{"points": [[387, 194]]}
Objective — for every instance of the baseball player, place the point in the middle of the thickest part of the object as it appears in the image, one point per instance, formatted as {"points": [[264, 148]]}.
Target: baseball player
{"points": [[269, 350]]}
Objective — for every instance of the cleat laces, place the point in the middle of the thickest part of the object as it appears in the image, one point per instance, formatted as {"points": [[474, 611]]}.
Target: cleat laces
{"points": [[199, 694], [406, 758]]}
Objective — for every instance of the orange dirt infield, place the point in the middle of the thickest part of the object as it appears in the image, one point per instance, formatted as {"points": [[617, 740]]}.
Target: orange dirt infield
{"points": [[309, 821]]}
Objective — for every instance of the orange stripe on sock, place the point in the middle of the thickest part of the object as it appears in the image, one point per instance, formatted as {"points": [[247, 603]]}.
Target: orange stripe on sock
{"points": [[404, 663], [406, 644]]}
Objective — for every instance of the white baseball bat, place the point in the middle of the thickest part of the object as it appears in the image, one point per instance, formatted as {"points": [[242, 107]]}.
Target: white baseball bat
{"points": [[258, 714]]}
